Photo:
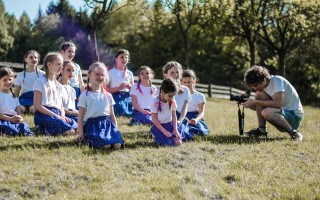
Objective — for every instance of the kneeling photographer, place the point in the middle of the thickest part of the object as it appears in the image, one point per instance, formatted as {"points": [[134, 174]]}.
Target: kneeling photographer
{"points": [[276, 101]]}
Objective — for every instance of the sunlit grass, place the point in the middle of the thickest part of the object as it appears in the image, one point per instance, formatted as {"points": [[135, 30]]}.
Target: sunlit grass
{"points": [[223, 165]]}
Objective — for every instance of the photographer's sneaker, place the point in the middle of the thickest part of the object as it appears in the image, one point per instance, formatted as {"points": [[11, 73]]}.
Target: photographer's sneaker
{"points": [[296, 136], [256, 133]]}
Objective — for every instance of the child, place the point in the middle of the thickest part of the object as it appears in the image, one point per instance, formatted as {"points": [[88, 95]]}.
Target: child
{"points": [[142, 94], [121, 80], [68, 50], [11, 121], [68, 93], [196, 106], [97, 122], [174, 70], [276, 101], [26, 79], [165, 129], [49, 115]]}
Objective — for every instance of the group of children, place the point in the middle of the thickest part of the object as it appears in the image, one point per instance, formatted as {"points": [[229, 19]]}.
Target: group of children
{"points": [[61, 104]]}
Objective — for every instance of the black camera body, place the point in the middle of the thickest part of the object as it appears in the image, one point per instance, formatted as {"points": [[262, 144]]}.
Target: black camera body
{"points": [[239, 98]]}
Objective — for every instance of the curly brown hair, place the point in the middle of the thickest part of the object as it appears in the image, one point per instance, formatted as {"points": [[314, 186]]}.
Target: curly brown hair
{"points": [[256, 74]]}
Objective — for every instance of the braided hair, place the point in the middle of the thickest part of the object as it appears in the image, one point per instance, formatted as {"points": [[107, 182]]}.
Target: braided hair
{"points": [[145, 68], [25, 63], [170, 65], [90, 70], [50, 57], [167, 85], [7, 71]]}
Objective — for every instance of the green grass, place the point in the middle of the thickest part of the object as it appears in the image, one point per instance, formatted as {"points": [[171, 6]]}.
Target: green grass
{"points": [[223, 165]]}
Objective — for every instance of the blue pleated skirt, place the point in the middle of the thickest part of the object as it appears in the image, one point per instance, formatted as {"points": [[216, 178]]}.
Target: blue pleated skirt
{"points": [[49, 125], [163, 140], [12, 129], [188, 134], [100, 131], [123, 104], [78, 92], [26, 99], [140, 118], [200, 128]]}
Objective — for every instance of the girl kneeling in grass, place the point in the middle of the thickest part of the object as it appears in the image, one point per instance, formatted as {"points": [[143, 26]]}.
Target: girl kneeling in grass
{"points": [[68, 93], [97, 122], [49, 115], [165, 129], [196, 106], [142, 94], [11, 121]]}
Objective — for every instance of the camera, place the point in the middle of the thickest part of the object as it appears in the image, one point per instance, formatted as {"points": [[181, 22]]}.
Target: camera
{"points": [[239, 98]]}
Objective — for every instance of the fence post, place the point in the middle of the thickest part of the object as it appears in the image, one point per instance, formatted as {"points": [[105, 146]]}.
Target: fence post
{"points": [[209, 91], [230, 91]]}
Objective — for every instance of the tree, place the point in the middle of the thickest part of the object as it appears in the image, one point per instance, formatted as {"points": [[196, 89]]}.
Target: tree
{"points": [[244, 22], [285, 24], [102, 9], [8, 28]]}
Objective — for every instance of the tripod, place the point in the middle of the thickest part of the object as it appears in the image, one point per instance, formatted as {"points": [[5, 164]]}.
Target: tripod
{"points": [[241, 119]]}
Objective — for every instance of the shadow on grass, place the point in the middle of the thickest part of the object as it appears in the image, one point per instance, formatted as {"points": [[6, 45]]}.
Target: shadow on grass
{"points": [[40, 145], [237, 139]]}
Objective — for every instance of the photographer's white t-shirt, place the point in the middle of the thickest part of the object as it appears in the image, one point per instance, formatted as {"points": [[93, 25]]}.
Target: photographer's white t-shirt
{"points": [[291, 99]]}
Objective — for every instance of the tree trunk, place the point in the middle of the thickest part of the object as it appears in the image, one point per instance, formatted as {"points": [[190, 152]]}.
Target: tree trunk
{"points": [[282, 67], [252, 53], [95, 53]]}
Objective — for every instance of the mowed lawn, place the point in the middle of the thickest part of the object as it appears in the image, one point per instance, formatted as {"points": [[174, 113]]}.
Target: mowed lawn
{"points": [[223, 165]]}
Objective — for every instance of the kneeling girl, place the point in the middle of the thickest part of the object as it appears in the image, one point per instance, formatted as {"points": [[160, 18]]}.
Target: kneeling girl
{"points": [[96, 119]]}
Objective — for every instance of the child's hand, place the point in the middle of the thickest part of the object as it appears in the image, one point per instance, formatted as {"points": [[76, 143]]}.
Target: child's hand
{"points": [[123, 86], [17, 119], [193, 121], [177, 134], [167, 133], [146, 112], [68, 119], [80, 137]]}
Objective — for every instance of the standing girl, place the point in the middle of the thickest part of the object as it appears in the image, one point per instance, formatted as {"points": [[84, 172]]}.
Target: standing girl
{"points": [[196, 106], [97, 122], [68, 93], [11, 121], [121, 80], [142, 94], [25, 80], [165, 129], [68, 50], [174, 70], [50, 116]]}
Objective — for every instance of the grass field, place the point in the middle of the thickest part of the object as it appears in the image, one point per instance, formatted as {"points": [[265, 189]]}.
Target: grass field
{"points": [[223, 165]]}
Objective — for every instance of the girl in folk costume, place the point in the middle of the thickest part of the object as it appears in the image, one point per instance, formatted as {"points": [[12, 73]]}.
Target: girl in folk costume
{"points": [[142, 94], [97, 122], [11, 120], [165, 129], [121, 80], [50, 115], [25, 79], [68, 50], [196, 106], [68, 93], [174, 70]]}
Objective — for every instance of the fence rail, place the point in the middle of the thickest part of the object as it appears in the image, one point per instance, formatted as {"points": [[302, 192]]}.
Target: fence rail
{"points": [[209, 90]]}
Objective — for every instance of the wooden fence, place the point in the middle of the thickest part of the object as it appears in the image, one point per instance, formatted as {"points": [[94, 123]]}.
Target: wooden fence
{"points": [[209, 90]]}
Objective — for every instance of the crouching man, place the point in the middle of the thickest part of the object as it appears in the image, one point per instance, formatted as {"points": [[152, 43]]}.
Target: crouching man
{"points": [[276, 101]]}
